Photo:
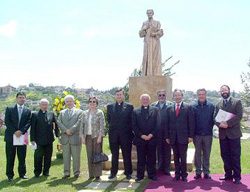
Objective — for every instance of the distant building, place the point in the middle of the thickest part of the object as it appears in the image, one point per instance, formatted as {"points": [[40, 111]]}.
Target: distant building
{"points": [[6, 90]]}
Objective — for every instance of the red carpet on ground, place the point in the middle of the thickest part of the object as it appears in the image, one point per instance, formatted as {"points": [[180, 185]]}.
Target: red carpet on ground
{"points": [[166, 183]]}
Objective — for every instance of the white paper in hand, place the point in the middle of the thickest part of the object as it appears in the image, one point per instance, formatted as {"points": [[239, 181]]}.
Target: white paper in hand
{"points": [[33, 146], [22, 140], [223, 116]]}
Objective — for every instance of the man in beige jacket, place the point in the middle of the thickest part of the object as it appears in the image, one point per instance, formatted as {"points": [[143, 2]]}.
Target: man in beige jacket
{"points": [[69, 122]]}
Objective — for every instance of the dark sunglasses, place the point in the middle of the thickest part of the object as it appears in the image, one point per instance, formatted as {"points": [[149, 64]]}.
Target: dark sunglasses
{"points": [[161, 95], [92, 101]]}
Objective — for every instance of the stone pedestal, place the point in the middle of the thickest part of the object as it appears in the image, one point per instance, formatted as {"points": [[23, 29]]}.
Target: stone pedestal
{"points": [[149, 85]]}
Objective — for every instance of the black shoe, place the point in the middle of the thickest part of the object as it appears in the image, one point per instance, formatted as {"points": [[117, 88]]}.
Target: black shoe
{"points": [[167, 173], [36, 176], [184, 179], [225, 178], [65, 176], [237, 181], [10, 179], [207, 176], [76, 176], [138, 179], [24, 177], [197, 176], [176, 178], [97, 178], [112, 177], [46, 174], [128, 177], [154, 178]]}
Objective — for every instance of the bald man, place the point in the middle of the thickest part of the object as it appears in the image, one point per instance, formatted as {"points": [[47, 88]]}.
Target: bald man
{"points": [[145, 129]]}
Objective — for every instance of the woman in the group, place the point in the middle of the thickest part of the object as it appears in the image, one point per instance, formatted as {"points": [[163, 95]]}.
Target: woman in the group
{"points": [[93, 132]]}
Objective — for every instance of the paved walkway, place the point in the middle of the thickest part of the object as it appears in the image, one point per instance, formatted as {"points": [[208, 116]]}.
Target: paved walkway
{"points": [[119, 184]]}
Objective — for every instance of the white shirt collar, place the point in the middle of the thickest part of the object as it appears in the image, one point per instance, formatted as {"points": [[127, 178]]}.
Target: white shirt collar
{"points": [[19, 106], [179, 104]]}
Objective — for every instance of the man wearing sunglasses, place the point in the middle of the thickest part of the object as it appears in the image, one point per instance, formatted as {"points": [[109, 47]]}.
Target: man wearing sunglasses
{"points": [[163, 148], [120, 133]]}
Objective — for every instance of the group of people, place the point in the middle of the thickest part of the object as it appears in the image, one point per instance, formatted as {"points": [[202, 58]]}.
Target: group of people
{"points": [[154, 128]]}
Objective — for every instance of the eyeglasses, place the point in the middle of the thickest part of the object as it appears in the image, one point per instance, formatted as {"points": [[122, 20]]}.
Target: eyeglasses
{"points": [[161, 95], [92, 101]]}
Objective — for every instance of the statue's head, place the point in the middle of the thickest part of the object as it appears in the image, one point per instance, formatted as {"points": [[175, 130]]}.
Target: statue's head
{"points": [[150, 13]]}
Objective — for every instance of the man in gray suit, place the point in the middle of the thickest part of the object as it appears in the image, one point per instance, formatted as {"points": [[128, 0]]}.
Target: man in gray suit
{"points": [[230, 134], [69, 122]]}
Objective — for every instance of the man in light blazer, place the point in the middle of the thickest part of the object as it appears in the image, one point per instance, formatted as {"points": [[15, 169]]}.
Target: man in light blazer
{"points": [[69, 122], [17, 121], [230, 134]]}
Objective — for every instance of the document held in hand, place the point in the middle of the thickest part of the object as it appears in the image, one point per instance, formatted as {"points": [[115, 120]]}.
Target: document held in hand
{"points": [[22, 140], [223, 116]]}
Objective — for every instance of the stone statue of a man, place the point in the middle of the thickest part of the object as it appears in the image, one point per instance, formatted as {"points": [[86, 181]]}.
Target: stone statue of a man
{"points": [[152, 32]]}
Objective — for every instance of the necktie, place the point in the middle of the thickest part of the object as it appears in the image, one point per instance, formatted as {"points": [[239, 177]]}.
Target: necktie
{"points": [[20, 110], [70, 112], [225, 102], [177, 110]]}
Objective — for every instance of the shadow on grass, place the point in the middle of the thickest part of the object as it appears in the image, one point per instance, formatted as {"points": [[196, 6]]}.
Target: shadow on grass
{"points": [[59, 181], [5, 183], [31, 181], [57, 162], [81, 186]]}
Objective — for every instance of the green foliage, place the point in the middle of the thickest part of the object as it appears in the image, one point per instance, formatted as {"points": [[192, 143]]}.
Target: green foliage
{"points": [[245, 80]]}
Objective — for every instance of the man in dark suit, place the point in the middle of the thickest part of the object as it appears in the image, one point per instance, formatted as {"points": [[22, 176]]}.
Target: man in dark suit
{"points": [[163, 148], [43, 124], [145, 126], [17, 121], [119, 116], [229, 135], [179, 132]]}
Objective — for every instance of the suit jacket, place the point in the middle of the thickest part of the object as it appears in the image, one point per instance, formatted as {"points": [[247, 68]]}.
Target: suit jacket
{"points": [[73, 123], [179, 129], [12, 122], [97, 123], [233, 106], [120, 122], [43, 127], [145, 125], [163, 115]]}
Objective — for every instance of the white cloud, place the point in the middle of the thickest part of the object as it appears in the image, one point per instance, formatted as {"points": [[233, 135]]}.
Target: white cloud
{"points": [[9, 29], [68, 31]]}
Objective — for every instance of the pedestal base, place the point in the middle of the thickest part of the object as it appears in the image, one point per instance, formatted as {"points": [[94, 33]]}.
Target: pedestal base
{"points": [[149, 85]]}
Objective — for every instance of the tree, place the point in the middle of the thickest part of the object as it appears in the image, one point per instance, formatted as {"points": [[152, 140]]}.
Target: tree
{"points": [[245, 80]]}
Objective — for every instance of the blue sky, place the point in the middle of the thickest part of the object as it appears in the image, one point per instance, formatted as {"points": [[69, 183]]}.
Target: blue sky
{"points": [[96, 43]]}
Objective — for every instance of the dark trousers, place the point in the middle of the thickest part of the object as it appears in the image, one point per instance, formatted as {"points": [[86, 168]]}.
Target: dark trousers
{"points": [[42, 159], [163, 155], [180, 159], [11, 151], [126, 146], [146, 156], [203, 145], [230, 153]]}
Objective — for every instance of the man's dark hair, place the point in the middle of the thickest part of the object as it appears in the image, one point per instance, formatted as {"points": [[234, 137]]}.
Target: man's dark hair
{"points": [[119, 90], [20, 93], [202, 89], [178, 90], [225, 86]]}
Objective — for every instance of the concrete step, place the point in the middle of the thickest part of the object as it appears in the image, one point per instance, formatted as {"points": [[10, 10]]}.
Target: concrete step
{"points": [[190, 158]]}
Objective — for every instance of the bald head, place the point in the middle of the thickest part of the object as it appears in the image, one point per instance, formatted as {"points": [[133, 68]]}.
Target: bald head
{"points": [[145, 99]]}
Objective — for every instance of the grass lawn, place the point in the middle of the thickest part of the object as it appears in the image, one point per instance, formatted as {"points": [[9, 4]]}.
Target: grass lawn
{"points": [[56, 184]]}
